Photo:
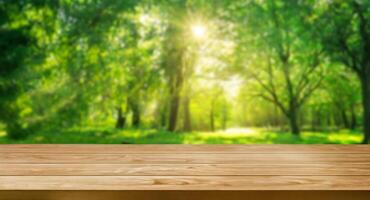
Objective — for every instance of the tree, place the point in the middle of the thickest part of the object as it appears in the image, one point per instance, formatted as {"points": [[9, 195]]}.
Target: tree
{"points": [[16, 43], [345, 95], [173, 60], [284, 56], [347, 40], [174, 51]]}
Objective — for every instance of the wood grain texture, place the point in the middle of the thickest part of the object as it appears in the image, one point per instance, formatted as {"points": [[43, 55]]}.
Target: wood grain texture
{"points": [[165, 158], [188, 149], [184, 195], [184, 167], [184, 183]]}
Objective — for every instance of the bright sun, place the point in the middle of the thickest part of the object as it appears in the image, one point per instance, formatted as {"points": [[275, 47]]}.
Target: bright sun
{"points": [[198, 31]]}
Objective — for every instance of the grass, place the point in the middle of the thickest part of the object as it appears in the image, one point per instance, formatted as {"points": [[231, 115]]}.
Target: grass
{"points": [[149, 136]]}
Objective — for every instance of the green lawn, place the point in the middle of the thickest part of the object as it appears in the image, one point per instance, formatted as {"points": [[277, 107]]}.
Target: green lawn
{"points": [[147, 136]]}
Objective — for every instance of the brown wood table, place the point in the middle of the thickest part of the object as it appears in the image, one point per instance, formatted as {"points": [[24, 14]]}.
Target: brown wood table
{"points": [[184, 172]]}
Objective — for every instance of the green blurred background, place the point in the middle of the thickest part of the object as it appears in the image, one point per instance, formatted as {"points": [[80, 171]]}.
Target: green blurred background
{"points": [[185, 71]]}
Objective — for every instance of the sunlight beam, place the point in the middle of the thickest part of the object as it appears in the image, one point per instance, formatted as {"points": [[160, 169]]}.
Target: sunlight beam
{"points": [[199, 31]]}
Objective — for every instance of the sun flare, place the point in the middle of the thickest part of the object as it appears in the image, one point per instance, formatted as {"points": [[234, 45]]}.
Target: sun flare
{"points": [[199, 31]]}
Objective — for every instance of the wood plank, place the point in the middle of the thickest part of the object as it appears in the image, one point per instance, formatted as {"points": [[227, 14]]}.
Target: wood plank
{"points": [[194, 167], [185, 183], [184, 195], [189, 149], [266, 159], [184, 170]]}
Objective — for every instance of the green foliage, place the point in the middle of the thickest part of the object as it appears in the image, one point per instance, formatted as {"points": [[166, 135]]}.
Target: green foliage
{"points": [[183, 66], [14, 44]]}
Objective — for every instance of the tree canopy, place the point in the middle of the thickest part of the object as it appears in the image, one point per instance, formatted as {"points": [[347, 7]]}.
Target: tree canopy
{"points": [[184, 65]]}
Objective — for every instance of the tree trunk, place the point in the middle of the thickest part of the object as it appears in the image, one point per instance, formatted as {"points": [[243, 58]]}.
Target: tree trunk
{"points": [[121, 119], [136, 116], [312, 119], [365, 84], [175, 91], [134, 107], [316, 119], [353, 118], [187, 116], [293, 121], [173, 62], [212, 120], [174, 109], [329, 120], [345, 119], [163, 119], [162, 112], [276, 116], [224, 118]]}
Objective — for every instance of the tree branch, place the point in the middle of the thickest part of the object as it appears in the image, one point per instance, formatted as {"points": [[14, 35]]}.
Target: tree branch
{"points": [[310, 90]]}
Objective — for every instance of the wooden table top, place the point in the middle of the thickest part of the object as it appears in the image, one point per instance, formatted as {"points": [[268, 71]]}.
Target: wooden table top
{"points": [[185, 167]]}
